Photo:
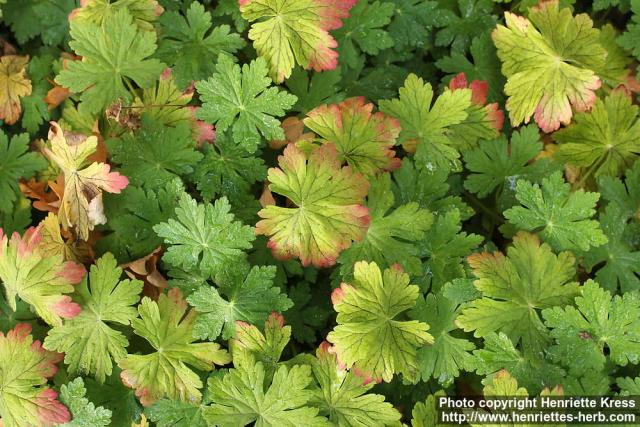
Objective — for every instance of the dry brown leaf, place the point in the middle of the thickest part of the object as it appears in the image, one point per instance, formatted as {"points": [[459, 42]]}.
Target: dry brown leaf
{"points": [[145, 269]]}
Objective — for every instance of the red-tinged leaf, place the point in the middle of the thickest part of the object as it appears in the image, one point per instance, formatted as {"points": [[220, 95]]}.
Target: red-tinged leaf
{"points": [[38, 278], [364, 139], [295, 32], [549, 61], [25, 400], [81, 206], [329, 213]]}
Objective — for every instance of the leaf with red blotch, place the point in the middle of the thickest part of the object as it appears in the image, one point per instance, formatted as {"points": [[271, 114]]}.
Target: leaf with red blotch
{"points": [[329, 212], [81, 207], [549, 59], [38, 278], [364, 139], [25, 400], [484, 121], [295, 32]]}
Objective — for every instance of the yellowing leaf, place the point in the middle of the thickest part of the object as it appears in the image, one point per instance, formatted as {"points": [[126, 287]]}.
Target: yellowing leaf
{"points": [[54, 243], [549, 61], [364, 139], [372, 335], [14, 84], [168, 327], [38, 279], [286, 33], [95, 12], [328, 213], [25, 400], [81, 206]]}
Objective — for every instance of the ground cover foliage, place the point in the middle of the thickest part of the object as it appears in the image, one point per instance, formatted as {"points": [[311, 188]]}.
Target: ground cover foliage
{"points": [[314, 212]]}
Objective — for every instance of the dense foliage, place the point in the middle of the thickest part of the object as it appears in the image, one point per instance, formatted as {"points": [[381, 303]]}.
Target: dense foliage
{"points": [[314, 212]]}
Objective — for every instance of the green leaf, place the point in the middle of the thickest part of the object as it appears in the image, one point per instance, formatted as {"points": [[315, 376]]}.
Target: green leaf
{"points": [[309, 313], [171, 413], [227, 170], [187, 40], [615, 72], [466, 21], [430, 189], [16, 162], [132, 216], [113, 57], [18, 219], [426, 127], [549, 61], [629, 386], [364, 28], [286, 33], [445, 246], [531, 370], [392, 235], [496, 165], [204, 237], [530, 278], [562, 218], [412, 23], [45, 18], [241, 398], [314, 90], [89, 341], [343, 396], [425, 414], [601, 328], [250, 297], [371, 335], [36, 110], [96, 12], [328, 213], [603, 141], [619, 263], [155, 154], [448, 355], [168, 328], [83, 412], [485, 66], [630, 39], [244, 101], [251, 345], [625, 196], [114, 396]]}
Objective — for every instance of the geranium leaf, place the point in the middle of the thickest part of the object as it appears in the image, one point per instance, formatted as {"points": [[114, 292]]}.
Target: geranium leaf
{"points": [[42, 280], [89, 341], [82, 201], [364, 139], [515, 287], [549, 60], [302, 32], [168, 328], [329, 214], [371, 335], [243, 100], [117, 54]]}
